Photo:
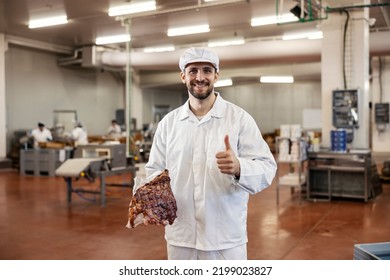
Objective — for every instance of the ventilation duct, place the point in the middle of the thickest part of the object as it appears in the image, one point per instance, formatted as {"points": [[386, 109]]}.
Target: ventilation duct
{"points": [[96, 57], [91, 57], [114, 59]]}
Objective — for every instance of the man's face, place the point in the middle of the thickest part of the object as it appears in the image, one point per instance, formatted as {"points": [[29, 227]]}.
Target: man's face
{"points": [[199, 78]]}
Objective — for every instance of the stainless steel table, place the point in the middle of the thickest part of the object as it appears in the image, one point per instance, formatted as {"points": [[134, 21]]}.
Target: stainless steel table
{"points": [[91, 168]]}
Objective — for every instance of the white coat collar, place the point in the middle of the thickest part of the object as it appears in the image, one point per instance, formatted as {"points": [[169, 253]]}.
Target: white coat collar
{"points": [[217, 111]]}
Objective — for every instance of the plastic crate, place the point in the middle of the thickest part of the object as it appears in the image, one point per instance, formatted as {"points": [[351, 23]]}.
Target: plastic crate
{"points": [[372, 251]]}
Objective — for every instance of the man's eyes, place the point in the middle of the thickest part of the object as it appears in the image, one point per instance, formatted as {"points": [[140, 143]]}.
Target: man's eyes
{"points": [[195, 71]]}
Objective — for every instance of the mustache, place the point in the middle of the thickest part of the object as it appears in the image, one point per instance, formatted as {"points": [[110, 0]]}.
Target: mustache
{"points": [[203, 83]]}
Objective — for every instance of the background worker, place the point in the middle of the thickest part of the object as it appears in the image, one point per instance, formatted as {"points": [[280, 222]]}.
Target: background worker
{"points": [[79, 135], [114, 129], [40, 135]]}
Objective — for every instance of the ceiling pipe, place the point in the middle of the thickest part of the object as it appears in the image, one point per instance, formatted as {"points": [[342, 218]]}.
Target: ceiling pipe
{"points": [[70, 62], [182, 9], [114, 59], [15, 40], [385, 14], [380, 4], [339, 9], [70, 59]]}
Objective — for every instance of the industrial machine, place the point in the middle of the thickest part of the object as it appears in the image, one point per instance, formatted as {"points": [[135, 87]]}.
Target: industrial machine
{"points": [[115, 154], [95, 161]]}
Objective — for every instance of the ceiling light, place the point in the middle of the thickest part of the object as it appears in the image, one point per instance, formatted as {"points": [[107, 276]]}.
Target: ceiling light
{"points": [[294, 36], [230, 42], [273, 20], [277, 79], [188, 30], [315, 35], [159, 49], [223, 83], [112, 39], [138, 7], [48, 22], [309, 35]]}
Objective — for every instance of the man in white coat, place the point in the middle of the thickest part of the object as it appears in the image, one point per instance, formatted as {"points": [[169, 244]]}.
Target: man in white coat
{"points": [[216, 157], [79, 135], [40, 135]]}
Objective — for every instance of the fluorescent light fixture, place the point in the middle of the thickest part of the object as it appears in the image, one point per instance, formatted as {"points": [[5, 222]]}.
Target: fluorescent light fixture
{"points": [[159, 49], [273, 20], [223, 83], [47, 22], [310, 35], [138, 7], [277, 79], [315, 35], [229, 42], [112, 39], [188, 30], [294, 37]]}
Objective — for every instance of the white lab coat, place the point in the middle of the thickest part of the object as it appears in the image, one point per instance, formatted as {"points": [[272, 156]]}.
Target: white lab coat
{"points": [[41, 136], [80, 136], [212, 207], [114, 130]]}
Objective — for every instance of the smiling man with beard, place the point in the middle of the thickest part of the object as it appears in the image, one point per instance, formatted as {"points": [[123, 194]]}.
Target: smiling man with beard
{"points": [[216, 157]]}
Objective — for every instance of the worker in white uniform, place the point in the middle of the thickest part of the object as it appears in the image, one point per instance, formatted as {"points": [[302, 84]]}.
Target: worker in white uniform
{"points": [[40, 135], [79, 135], [114, 129], [216, 157]]}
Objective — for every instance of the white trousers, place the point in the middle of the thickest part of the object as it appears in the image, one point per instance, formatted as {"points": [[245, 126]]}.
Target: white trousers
{"points": [[184, 253]]}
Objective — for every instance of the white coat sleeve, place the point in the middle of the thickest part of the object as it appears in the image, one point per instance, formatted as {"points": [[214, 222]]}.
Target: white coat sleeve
{"points": [[257, 163], [157, 157]]}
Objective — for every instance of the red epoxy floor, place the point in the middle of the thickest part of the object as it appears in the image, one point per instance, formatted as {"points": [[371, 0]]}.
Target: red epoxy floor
{"points": [[37, 223]]}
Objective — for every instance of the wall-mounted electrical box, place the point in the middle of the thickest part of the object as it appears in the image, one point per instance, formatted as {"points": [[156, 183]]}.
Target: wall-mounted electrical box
{"points": [[345, 108], [382, 113]]}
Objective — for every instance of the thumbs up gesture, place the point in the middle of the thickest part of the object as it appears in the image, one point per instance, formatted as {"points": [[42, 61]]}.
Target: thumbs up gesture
{"points": [[227, 161]]}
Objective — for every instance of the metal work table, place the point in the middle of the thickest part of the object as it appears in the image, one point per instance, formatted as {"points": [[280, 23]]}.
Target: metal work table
{"points": [[92, 168], [335, 174]]}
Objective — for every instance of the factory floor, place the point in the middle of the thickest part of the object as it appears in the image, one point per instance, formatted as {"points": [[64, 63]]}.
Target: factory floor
{"points": [[36, 223]]}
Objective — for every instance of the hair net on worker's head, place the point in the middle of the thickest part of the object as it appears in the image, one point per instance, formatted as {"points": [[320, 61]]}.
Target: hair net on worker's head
{"points": [[193, 55]]}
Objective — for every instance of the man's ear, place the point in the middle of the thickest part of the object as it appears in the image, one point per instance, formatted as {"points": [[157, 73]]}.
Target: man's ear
{"points": [[216, 76], [183, 77]]}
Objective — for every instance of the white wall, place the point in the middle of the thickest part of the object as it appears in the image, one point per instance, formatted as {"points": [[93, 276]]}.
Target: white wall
{"points": [[36, 85], [380, 140], [152, 97], [274, 104], [269, 104]]}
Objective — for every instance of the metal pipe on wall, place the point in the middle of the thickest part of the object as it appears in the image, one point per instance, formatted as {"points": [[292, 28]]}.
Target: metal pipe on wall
{"points": [[129, 78]]}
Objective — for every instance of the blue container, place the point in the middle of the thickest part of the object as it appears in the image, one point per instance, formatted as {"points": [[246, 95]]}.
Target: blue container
{"points": [[372, 251], [338, 140]]}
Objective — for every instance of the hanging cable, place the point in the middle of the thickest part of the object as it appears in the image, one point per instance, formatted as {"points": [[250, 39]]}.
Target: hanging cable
{"points": [[344, 47]]}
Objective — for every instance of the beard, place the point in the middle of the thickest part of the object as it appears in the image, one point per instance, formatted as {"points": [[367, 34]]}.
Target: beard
{"points": [[203, 94]]}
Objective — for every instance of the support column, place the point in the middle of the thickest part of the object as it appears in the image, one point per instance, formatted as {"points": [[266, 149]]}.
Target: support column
{"points": [[3, 115], [356, 69], [129, 79]]}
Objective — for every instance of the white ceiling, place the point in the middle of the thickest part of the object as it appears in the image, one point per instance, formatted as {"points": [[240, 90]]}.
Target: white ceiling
{"points": [[227, 18]]}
